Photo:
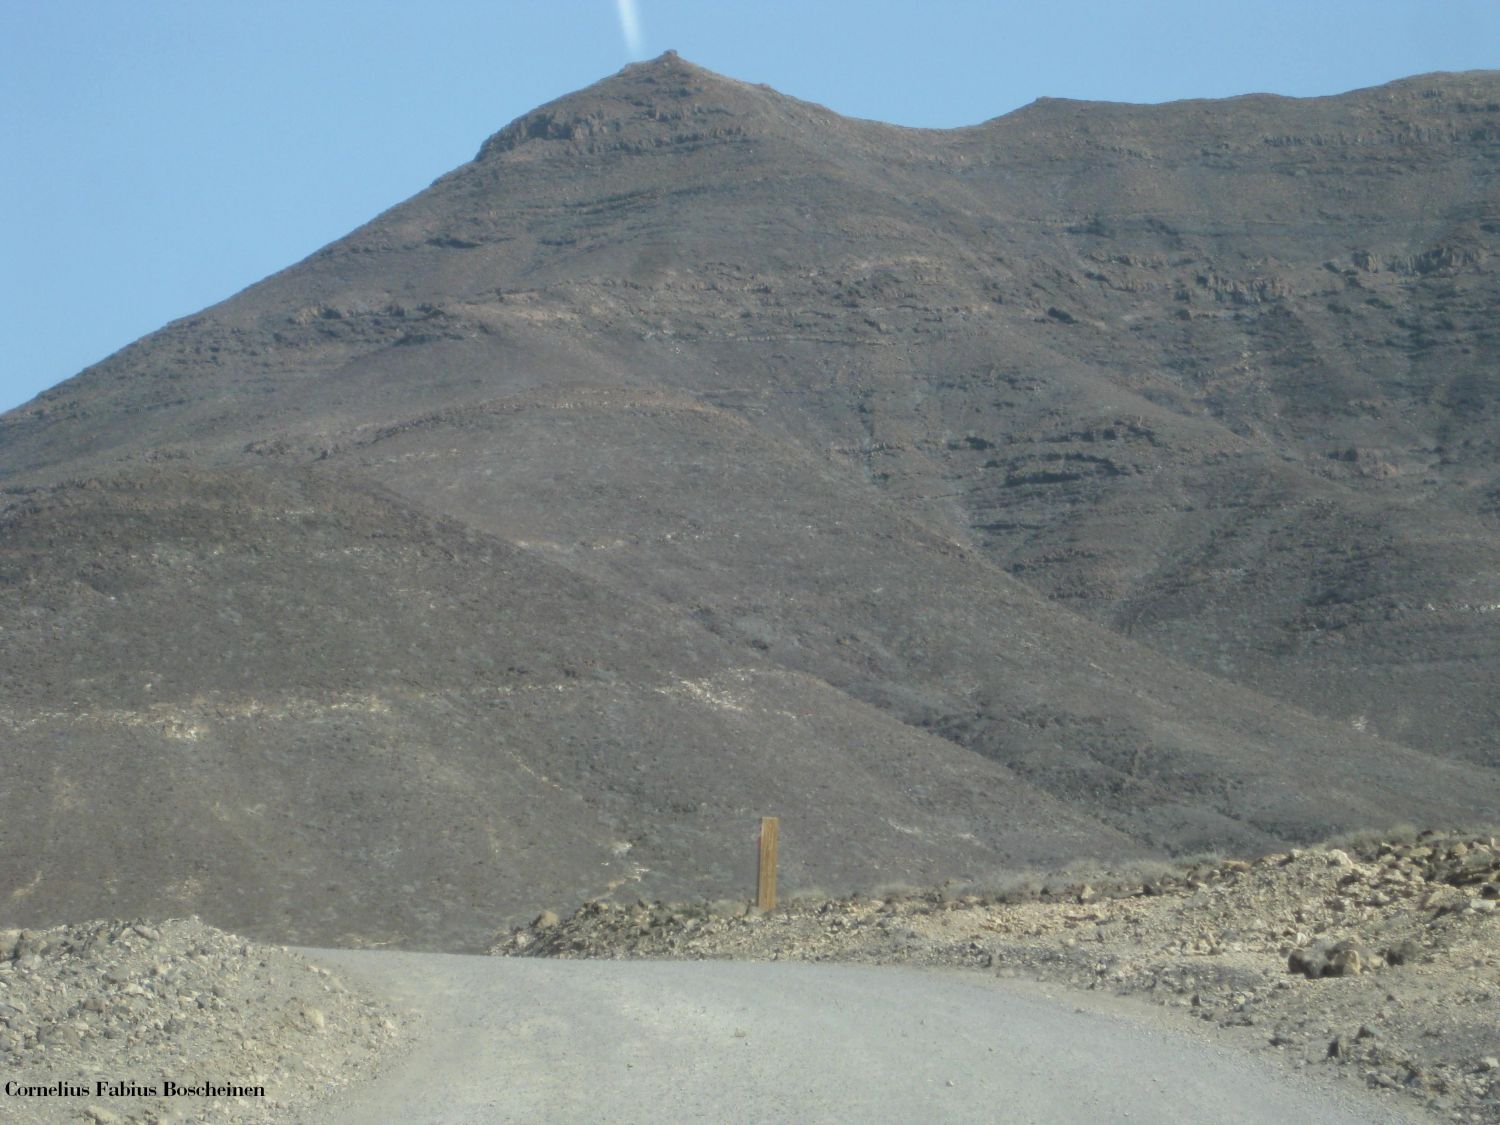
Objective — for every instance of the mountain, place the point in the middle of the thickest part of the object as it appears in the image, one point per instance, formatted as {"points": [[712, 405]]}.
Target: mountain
{"points": [[1098, 481]]}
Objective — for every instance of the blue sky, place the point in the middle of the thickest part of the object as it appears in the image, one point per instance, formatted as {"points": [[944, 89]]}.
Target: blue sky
{"points": [[160, 155]]}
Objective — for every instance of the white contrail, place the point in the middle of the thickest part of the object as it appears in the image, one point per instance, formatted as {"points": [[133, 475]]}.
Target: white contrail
{"points": [[630, 25]]}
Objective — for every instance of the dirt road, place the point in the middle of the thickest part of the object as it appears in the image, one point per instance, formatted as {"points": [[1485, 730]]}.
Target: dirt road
{"points": [[573, 1041]]}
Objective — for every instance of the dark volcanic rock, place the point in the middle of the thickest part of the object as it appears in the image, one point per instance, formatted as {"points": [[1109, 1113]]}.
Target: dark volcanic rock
{"points": [[1096, 479]]}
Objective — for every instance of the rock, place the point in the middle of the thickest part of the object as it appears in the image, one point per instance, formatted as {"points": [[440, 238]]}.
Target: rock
{"points": [[1489, 1062], [61, 1037], [1345, 960], [313, 1018], [29, 944], [1337, 857], [1309, 962], [1328, 960], [1443, 900]]}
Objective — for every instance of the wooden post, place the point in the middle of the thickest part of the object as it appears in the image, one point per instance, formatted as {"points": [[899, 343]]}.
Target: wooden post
{"points": [[765, 896]]}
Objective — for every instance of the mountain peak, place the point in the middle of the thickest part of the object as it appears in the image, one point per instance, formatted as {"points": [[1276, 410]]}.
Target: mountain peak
{"points": [[669, 60], [661, 102]]}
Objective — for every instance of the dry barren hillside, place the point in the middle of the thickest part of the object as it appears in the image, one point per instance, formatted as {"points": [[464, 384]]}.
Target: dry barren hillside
{"points": [[1095, 480]]}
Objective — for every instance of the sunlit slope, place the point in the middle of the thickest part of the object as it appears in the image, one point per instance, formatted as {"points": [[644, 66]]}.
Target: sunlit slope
{"points": [[1133, 468]]}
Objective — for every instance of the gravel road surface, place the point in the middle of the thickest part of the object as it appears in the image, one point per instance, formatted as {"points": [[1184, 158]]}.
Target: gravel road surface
{"points": [[573, 1041]]}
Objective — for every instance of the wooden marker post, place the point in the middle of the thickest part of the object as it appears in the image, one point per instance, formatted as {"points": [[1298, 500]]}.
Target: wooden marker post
{"points": [[765, 891]]}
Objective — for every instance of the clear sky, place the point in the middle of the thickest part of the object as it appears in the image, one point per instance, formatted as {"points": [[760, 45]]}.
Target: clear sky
{"points": [[156, 156]]}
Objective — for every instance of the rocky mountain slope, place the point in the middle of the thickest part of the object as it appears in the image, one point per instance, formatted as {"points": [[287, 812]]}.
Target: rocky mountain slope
{"points": [[1095, 480]]}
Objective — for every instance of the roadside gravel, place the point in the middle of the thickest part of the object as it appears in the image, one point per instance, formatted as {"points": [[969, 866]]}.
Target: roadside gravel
{"points": [[1377, 962], [135, 1004]]}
